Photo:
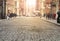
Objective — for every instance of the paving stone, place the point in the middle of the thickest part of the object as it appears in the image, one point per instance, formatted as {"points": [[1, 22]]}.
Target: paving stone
{"points": [[28, 29]]}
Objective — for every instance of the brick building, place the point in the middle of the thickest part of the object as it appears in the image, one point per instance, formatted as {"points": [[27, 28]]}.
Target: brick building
{"points": [[19, 7]]}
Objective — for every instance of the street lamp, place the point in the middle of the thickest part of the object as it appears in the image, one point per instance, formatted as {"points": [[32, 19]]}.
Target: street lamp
{"points": [[3, 16]]}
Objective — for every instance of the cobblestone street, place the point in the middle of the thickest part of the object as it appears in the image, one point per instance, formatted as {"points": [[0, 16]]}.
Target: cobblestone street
{"points": [[28, 29]]}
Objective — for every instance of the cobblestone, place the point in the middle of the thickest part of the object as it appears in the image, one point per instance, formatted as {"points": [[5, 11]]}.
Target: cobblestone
{"points": [[28, 30]]}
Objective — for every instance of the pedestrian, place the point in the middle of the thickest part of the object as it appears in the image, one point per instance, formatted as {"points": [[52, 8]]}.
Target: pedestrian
{"points": [[44, 15], [47, 16], [50, 16], [54, 15], [58, 18], [39, 14], [8, 15]]}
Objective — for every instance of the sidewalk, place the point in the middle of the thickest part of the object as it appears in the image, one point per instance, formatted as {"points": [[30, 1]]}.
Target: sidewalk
{"points": [[52, 21]]}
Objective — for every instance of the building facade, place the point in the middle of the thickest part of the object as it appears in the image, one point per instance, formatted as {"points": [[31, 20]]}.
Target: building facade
{"points": [[11, 6], [23, 7]]}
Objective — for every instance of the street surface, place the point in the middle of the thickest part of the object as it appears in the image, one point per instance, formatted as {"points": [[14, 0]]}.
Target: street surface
{"points": [[28, 29]]}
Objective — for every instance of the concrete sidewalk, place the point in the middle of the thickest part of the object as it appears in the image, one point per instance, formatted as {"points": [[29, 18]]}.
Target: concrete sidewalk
{"points": [[52, 21]]}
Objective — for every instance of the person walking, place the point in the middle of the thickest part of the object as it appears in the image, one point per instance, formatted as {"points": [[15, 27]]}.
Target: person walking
{"points": [[54, 16], [8, 15], [58, 18]]}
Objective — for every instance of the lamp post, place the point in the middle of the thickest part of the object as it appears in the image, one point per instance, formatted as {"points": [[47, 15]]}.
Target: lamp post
{"points": [[3, 15]]}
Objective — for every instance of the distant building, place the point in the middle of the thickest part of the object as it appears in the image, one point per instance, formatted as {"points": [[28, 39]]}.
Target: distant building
{"points": [[20, 7]]}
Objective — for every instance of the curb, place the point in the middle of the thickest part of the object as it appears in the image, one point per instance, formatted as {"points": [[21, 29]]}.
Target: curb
{"points": [[52, 22]]}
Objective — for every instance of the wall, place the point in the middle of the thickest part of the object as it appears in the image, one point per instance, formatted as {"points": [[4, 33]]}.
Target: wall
{"points": [[11, 6]]}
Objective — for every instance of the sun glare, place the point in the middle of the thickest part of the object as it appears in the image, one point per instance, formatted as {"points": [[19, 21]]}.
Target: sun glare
{"points": [[30, 2]]}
